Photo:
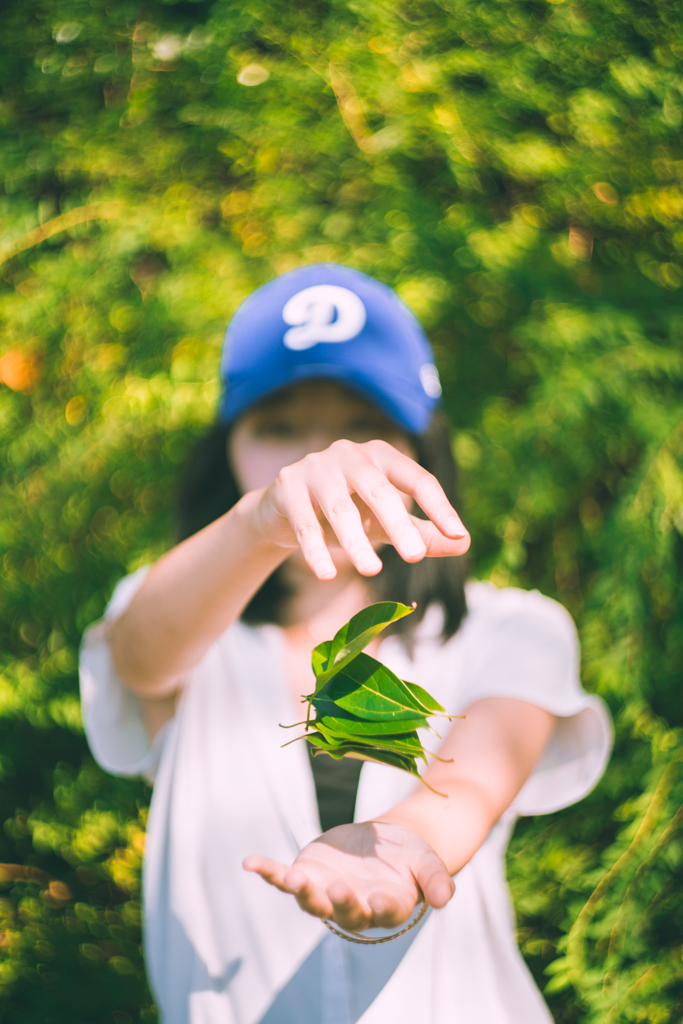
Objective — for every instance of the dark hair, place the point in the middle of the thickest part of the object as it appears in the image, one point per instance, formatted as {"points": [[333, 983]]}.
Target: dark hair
{"points": [[208, 489]]}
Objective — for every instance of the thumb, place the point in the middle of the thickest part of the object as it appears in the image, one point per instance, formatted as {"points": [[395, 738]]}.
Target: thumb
{"points": [[437, 544], [434, 880]]}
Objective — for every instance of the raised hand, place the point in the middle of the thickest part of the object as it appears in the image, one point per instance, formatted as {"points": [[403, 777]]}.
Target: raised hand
{"points": [[355, 495], [361, 876]]}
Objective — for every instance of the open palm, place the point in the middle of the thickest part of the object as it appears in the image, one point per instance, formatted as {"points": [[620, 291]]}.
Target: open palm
{"points": [[361, 876]]}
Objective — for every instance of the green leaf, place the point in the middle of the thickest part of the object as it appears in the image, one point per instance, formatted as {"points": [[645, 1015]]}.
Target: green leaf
{"points": [[406, 743], [363, 627], [356, 634], [367, 688], [320, 657], [362, 708], [425, 699], [354, 726], [405, 763]]}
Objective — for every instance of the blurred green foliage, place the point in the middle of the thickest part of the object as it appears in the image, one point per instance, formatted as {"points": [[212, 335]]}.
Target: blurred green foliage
{"points": [[514, 169]]}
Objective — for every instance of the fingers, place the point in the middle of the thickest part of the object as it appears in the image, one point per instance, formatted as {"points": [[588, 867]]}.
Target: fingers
{"points": [[414, 480], [298, 508], [380, 476], [340, 903], [310, 896], [346, 469], [317, 477], [348, 911], [380, 495], [336, 504], [436, 544], [268, 869], [293, 880], [388, 912]]}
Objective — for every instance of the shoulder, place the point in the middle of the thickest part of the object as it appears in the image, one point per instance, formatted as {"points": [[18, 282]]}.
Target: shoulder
{"points": [[124, 592], [518, 643], [519, 614]]}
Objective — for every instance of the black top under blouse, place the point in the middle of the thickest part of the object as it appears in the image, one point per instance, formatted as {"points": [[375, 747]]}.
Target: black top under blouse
{"points": [[336, 788]]}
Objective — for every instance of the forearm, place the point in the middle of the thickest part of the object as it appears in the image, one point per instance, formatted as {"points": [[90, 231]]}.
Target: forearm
{"points": [[454, 827], [189, 598], [488, 758]]}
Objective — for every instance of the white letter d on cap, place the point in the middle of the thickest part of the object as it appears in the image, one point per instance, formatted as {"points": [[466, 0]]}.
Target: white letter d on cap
{"points": [[313, 310]]}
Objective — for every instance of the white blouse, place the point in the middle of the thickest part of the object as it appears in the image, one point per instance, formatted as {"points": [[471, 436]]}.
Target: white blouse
{"points": [[222, 947]]}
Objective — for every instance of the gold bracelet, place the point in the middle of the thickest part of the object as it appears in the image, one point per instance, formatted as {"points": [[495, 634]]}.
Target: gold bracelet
{"points": [[355, 937]]}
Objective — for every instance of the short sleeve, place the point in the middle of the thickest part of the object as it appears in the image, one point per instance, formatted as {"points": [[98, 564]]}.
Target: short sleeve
{"points": [[112, 715], [524, 645], [573, 762]]}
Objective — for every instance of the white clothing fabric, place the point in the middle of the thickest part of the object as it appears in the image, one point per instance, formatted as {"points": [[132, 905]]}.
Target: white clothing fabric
{"points": [[222, 947]]}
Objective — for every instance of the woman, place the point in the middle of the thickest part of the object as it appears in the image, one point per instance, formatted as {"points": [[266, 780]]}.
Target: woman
{"points": [[328, 483]]}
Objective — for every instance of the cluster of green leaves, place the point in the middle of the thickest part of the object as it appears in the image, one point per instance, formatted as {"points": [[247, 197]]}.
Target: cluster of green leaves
{"points": [[515, 171], [362, 709]]}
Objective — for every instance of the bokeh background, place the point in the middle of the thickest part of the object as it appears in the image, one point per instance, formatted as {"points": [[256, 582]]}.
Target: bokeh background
{"points": [[514, 169]]}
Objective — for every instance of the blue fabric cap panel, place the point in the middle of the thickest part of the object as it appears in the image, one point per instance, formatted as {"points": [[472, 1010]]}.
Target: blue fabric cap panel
{"points": [[327, 320]]}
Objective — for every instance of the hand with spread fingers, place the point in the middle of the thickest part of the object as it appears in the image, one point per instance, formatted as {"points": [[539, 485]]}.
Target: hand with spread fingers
{"points": [[327, 505], [356, 495], [362, 876]]}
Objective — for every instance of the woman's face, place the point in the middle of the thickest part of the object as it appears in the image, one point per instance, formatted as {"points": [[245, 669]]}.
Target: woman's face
{"points": [[304, 418]]}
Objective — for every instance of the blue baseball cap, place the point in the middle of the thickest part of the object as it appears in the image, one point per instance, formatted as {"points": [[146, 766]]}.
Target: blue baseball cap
{"points": [[327, 320]]}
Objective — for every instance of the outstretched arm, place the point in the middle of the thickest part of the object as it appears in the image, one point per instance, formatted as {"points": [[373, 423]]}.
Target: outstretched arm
{"points": [[372, 874], [348, 495]]}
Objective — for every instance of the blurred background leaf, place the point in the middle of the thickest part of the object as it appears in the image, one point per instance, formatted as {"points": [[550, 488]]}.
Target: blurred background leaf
{"points": [[514, 170]]}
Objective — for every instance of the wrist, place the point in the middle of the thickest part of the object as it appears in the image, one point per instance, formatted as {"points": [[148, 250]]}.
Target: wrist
{"points": [[263, 527], [454, 827], [404, 819], [245, 525]]}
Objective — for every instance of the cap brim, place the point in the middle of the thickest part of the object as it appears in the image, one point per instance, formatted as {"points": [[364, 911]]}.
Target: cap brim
{"points": [[409, 415]]}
